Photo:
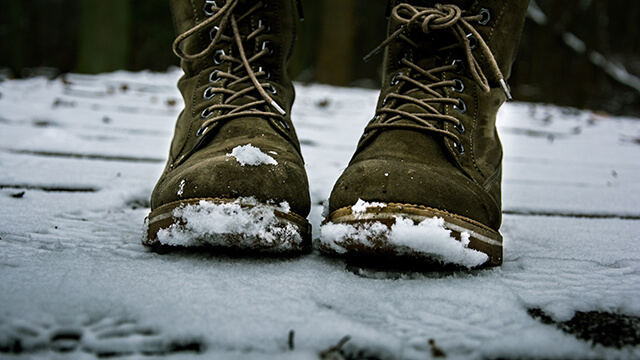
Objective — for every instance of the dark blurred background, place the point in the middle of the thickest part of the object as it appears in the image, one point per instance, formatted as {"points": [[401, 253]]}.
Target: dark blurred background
{"points": [[580, 53]]}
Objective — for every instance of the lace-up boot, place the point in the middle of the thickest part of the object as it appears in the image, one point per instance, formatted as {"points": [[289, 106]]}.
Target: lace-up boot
{"points": [[235, 176], [432, 150]]}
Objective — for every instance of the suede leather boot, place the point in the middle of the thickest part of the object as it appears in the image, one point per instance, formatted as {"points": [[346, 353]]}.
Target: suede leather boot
{"points": [[235, 176], [424, 183]]}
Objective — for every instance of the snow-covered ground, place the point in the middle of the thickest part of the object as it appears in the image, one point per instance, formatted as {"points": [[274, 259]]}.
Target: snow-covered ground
{"points": [[78, 160]]}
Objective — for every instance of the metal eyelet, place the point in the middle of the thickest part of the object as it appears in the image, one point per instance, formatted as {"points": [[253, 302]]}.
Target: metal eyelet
{"points": [[206, 113], [459, 86], [284, 124], [473, 41], [208, 93], [264, 23], [460, 106], [267, 73], [265, 4], [201, 131], [213, 77], [217, 57], [208, 6], [385, 101], [405, 56], [272, 89], [458, 146], [364, 135], [486, 16], [460, 128], [394, 80], [459, 64], [267, 45], [213, 31]]}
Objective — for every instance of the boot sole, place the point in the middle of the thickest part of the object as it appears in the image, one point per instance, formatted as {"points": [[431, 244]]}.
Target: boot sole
{"points": [[481, 238], [287, 233]]}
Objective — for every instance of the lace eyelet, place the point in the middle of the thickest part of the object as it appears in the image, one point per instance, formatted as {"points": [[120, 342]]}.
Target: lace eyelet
{"points": [[267, 45], [458, 146], [460, 128], [208, 6], [405, 56], [265, 4], [206, 113], [213, 31], [473, 41], [267, 73], [272, 89], [394, 80], [217, 57], [364, 135], [201, 131], [486, 16], [385, 101], [459, 64], [460, 106], [284, 124], [208, 93], [267, 27], [459, 86], [213, 77]]}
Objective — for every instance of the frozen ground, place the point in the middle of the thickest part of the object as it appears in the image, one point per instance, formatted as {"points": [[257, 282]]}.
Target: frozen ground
{"points": [[79, 157]]}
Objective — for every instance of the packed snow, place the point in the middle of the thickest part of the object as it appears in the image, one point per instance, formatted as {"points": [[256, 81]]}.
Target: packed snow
{"points": [[246, 218], [360, 207], [78, 161], [181, 187], [251, 155], [429, 237]]}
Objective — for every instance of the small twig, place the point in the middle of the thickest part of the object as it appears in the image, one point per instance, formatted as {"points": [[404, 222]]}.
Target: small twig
{"points": [[333, 353], [291, 338]]}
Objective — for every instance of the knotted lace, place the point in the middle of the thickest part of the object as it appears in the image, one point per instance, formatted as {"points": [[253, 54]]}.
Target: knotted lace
{"points": [[227, 18], [439, 18]]}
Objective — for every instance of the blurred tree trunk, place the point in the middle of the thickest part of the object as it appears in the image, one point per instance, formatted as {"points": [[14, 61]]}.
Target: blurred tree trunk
{"points": [[105, 35], [555, 62], [336, 43]]}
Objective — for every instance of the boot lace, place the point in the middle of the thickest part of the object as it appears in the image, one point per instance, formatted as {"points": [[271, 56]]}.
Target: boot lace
{"points": [[241, 70], [439, 18]]}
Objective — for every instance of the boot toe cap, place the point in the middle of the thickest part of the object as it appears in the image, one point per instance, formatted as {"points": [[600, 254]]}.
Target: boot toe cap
{"points": [[395, 181], [225, 177]]}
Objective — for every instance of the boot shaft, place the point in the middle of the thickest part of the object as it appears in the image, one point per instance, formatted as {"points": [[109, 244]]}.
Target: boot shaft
{"points": [[234, 56]]}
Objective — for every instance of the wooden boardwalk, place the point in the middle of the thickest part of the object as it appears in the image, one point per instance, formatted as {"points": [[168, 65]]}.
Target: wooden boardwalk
{"points": [[80, 155]]}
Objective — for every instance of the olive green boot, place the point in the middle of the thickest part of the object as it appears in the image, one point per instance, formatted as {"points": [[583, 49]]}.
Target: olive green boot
{"points": [[235, 177], [424, 183]]}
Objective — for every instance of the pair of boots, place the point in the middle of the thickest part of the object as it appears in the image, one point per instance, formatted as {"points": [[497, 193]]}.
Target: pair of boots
{"points": [[424, 182]]}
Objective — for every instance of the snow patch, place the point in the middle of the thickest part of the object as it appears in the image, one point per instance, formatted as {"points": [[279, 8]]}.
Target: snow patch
{"points": [[360, 207], [429, 237], [247, 220], [181, 187], [251, 155]]}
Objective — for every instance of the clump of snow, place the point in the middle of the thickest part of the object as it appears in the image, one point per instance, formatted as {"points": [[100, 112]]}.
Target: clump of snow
{"points": [[251, 155], [244, 222], [181, 187], [428, 238], [360, 207]]}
